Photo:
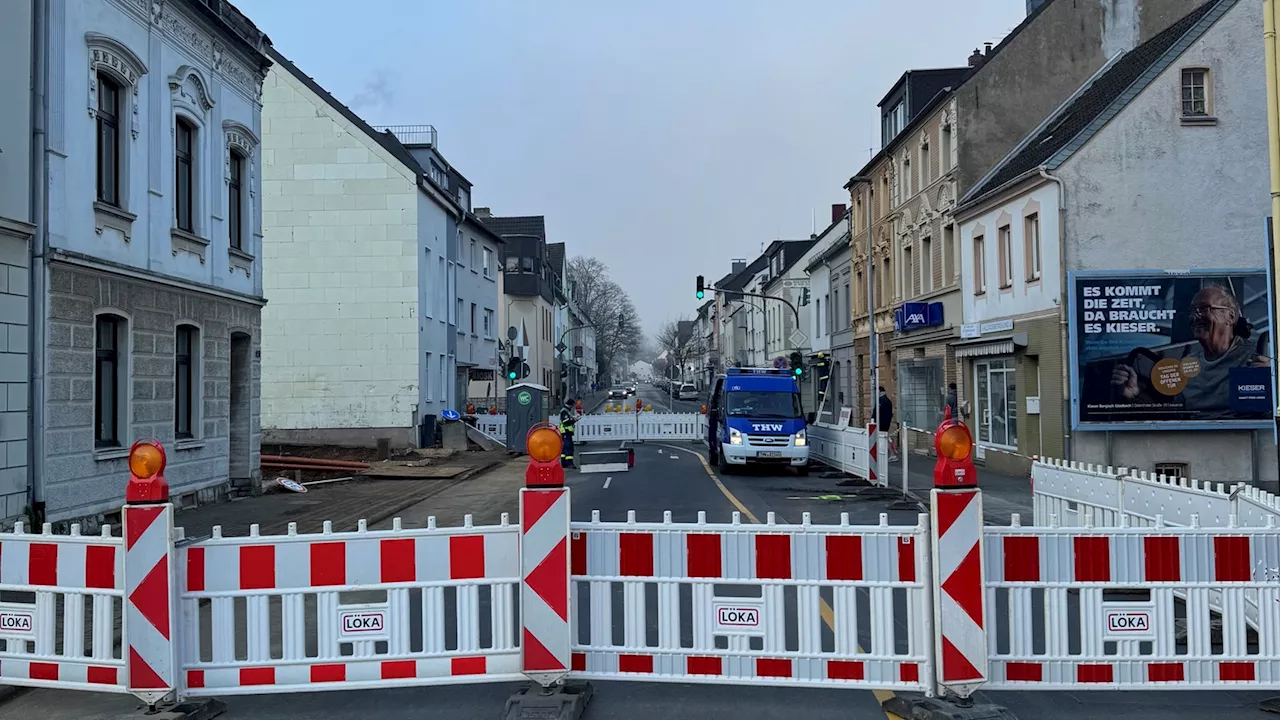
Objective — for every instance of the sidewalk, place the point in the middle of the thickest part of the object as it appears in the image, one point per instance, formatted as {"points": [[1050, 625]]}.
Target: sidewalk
{"points": [[1002, 495]]}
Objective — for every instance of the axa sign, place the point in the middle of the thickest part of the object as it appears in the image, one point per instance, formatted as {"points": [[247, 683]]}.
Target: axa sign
{"points": [[766, 427], [913, 315]]}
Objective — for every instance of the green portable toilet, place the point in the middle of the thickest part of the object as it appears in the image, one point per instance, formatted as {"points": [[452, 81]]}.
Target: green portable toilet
{"points": [[527, 405]]}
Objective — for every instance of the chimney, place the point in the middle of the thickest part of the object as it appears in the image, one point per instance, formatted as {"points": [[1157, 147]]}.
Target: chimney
{"points": [[1034, 5], [483, 213], [988, 50], [739, 264], [837, 212], [976, 59]]}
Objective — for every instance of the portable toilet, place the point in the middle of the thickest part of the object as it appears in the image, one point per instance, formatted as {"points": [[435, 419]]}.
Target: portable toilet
{"points": [[527, 405]]}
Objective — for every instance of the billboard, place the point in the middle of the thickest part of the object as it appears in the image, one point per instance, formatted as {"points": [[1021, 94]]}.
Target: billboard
{"points": [[1184, 350]]}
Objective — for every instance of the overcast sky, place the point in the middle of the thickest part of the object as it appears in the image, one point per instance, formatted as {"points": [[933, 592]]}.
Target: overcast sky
{"points": [[663, 137]]}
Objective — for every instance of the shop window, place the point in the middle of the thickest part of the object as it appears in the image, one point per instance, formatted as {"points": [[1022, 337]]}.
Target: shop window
{"points": [[920, 397]]}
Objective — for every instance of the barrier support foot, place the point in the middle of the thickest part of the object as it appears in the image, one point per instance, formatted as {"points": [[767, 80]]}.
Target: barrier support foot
{"points": [[201, 709], [923, 708], [566, 701], [1271, 705]]}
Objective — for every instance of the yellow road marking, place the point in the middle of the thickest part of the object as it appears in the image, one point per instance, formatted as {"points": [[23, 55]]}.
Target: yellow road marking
{"points": [[824, 609]]}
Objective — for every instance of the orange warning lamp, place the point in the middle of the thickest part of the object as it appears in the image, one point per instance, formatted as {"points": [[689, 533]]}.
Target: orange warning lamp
{"points": [[954, 445], [146, 473], [543, 443]]}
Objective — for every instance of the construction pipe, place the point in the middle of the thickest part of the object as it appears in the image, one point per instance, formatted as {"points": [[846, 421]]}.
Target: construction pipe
{"points": [[313, 462]]}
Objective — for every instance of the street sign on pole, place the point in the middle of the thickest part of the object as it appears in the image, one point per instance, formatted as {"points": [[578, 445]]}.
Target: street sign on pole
{"points": [[798, 338], [795, 283]]}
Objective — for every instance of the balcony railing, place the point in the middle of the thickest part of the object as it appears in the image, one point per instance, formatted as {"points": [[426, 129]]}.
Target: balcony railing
{"points": [[411, 134]]}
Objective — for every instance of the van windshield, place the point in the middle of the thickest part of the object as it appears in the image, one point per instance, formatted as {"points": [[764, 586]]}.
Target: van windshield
{"points": [[760, 404]]}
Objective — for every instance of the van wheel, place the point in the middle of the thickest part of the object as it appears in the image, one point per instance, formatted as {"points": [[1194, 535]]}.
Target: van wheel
{"points": [[722, 467]]}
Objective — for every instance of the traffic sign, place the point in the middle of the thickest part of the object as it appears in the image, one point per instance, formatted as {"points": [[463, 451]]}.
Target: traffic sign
{"points": [[795, 283], [798, 338]]}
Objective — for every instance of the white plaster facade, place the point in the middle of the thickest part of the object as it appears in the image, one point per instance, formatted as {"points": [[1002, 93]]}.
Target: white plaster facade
{"points": [[980, 246], [121, 266]]}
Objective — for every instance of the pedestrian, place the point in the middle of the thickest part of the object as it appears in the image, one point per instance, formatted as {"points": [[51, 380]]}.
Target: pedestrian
{"points": [[953, 401], [885, 419], [567, 420]]}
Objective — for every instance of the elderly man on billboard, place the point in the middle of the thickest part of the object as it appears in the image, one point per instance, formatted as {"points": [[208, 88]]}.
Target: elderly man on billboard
{"points": [[1222, 334]]}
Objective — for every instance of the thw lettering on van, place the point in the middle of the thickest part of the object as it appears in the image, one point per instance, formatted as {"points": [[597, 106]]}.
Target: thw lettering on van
{"points": [[766, 427]]}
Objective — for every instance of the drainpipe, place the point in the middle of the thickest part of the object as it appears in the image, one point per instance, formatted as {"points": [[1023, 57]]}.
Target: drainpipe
{"points": [[1270, 9], [1062, 311], [37, 296]]}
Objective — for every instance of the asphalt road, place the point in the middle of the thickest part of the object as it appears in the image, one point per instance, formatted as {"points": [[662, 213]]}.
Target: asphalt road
{"points": [[673, 477]]}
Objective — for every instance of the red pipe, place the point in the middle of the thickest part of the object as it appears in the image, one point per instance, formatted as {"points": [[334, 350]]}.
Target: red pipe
{"points": [[313, 462]]}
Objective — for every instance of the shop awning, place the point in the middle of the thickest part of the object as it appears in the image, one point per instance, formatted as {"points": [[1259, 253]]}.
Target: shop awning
{"points": [[991, 346]]}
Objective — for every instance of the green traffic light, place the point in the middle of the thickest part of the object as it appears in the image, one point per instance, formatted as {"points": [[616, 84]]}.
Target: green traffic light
{"points": [[799, 371], [700, 294], [511, 376]]}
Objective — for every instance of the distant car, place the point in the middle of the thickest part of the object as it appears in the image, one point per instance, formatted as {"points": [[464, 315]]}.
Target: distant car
{"points": [[687, 391], [619, 392]]}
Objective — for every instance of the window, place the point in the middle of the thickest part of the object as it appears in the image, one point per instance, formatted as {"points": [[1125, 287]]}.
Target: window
{"points": [[949, 268], [108, 140], [457, 315], [817, 314], [184, 175], [1005, 248], [488, 323], [488, 263], [185, 380], [109, 380], [906, 179], [442, 291], [475, 257], [426, 373], [908, 273], [1173, 469], [235, 200], [1031, 240], [979, 265], [473, 318], [844, 308], [886, 292], [924, 164], [926, 265], [1195, 92], [513, 264], [944, 161]]}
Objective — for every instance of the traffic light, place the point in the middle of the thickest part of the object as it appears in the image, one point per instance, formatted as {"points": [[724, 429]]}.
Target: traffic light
{"points": [[797, 363], [804, 297], [702, 288], [513, 368]]}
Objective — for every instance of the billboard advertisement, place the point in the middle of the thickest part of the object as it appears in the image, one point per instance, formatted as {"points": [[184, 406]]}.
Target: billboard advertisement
{"points": [[1183, 350]]}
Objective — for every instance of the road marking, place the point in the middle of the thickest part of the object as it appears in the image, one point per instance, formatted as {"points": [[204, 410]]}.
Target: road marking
{"points": [[824, 609], [607, 481]]}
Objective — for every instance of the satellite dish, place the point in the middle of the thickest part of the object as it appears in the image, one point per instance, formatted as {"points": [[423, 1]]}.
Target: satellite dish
{"points": [[450, 415], [512, 333]]}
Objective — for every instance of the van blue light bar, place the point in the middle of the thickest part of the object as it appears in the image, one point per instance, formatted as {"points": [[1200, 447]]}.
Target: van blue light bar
{"points": [[754, 371]]}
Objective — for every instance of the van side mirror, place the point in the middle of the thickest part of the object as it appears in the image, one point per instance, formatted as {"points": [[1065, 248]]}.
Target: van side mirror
{"points": [[811, 417]]}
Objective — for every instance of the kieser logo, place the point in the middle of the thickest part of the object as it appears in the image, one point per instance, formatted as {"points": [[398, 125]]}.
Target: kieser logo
{"points": [[769, 427], [1252, 388]]}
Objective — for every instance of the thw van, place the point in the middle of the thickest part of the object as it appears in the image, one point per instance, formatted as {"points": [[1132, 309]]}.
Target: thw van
{"points": [[755, 418]]}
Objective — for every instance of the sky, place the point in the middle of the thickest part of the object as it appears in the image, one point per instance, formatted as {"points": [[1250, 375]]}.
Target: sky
{"points": [[663, 137]]}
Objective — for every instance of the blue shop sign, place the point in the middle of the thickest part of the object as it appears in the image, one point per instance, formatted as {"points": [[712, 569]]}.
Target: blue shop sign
{"points": [[916, 315]]}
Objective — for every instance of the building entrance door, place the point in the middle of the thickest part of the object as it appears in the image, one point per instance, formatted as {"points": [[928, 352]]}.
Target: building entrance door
{"points": [[996, 404]]}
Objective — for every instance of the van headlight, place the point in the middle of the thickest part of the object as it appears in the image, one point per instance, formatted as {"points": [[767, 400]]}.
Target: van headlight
{"points": [[801, 439], [735, 437]]}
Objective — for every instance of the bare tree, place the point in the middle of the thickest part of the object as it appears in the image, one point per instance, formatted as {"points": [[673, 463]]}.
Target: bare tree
{"points": [[610, 310], [679, 341]]}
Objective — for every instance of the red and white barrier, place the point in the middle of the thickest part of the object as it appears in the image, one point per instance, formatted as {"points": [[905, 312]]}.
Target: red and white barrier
{"points": [[150, 606], [960, 610], [82, 571], [861, 567], [544, 594], [350, 610]]}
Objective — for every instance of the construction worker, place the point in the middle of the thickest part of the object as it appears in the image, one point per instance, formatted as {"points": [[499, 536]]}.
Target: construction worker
{"points": [[567, 419]]}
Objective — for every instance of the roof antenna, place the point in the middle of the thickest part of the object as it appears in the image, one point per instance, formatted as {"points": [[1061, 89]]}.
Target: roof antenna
{"points": [[813, 221]]}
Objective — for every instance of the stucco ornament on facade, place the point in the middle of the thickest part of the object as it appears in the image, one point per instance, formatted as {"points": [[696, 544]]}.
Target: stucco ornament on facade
{"points": [[191, 89], [109, 55], [203, 47]]}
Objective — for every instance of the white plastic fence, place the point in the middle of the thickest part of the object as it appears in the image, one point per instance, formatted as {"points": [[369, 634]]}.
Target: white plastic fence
{"points": [[1132, 607], [617, 427], [48, 638], [859, 595], [1074, 492], [354, 610]]}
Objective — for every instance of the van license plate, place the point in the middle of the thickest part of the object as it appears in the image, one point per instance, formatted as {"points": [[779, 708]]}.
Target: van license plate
{"points": [[770, 454]]}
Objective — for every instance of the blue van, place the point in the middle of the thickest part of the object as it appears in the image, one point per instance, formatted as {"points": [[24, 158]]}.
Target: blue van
{"points": [[755, 417]]}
